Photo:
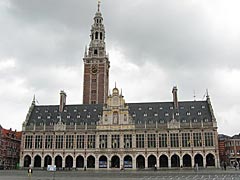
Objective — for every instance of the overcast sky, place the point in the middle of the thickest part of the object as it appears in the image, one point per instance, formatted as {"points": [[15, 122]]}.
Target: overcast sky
{"points": [[153, 45]]}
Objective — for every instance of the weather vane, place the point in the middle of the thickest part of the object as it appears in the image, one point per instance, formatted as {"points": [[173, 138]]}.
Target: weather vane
{"points": [[99, 2]]}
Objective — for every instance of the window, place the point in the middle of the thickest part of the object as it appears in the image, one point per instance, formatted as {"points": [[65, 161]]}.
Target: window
{"points": [[38, 142], [150, 108], [170, 107], [161, 108], [195, 120], [39, 117], [127, 141], [199, 113], [115, 141], [59, 142], [203, 107], [103, 141], [140, 140], [151, 140], [208, 139], [91, 141], [48, 117], [162, 140], [96, 35], [48, 141], [155, 114], [68, 116], [75, 110], [94, 91], [177, 113], [145, 115], [28, 142], [69, 141], [88, 116], [78, 116], [188, 113], [197, 139], [80, 141], [101, 36], [192, 107], [134, 115], [174, 140], [140, 109], [166, 114], [186, 140], [205, 120]]}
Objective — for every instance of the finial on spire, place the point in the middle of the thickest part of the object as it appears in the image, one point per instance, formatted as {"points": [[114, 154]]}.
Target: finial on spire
{"points": [[34, 100], [99, 2], [115, 84], [207, 94]]}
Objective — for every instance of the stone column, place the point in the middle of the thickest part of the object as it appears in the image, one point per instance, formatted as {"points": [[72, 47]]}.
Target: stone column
{"points": [[42, 162], [204, 161], [134, 163], [169, 162], [181, 161], [96, 163]]}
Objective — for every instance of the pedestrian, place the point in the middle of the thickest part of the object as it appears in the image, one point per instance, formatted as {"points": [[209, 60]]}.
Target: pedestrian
{"points": [[30, 171], [225, 166], [196, 165], [222, 165], [155, 167]]}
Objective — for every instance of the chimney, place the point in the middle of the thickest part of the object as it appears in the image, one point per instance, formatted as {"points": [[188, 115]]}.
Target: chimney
{"points": [[175, 99], [63, 97]]}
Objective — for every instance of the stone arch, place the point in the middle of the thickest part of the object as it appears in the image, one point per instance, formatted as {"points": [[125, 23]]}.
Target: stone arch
{"points": [[210, 159], [163, 161], [91, 161], [69, 161], [140, 161], [175, 160], [37, 161], [115, 161], [127, 161], [187, 160], [58, 161], [80, 161], [47, 160], [27, 161], [103, 161], [152, 161], [198, 159]]}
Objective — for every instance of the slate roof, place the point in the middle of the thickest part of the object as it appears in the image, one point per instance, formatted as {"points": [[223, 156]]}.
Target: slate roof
{"points": [[195, 111]]}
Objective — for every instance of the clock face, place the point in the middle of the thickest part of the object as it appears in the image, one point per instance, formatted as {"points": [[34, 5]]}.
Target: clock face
{"points": [[94, 69]]}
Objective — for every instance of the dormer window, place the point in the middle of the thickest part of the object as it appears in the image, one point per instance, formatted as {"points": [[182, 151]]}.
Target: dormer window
{"points": [[199, 113], [161, 108], [203, 107], [84, 110], [192, 107], [188, 113], [75, 110], [94, 110], [150, 108], [195, 120], [155, 114], [78, 116], [134, 115], [55, 110], [51, 123], [65, 110], [58, 117], [88, 116], [184, 120], [205, 120], [166, 114], [182, 107], [39, 117], [46, 110], [139, 108], [68, 116], [48, 117], [145, 115], [170, 107], [99, 116]]}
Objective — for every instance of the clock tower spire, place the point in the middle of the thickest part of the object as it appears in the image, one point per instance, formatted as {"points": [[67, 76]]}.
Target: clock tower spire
{"points": [[96, 64]]}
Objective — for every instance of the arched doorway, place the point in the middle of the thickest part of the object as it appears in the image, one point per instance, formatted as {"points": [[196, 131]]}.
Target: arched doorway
{"points": [[163, 161], [47, 161], [103, 162], [115, 162], [69, 162], [27, 161], [79, 162], [140, 162], [210, 160], [91, 162], [58, 161], [127, 161], [37, 161], [152, 161], [175, 161], [198, 159], [187, 160]]}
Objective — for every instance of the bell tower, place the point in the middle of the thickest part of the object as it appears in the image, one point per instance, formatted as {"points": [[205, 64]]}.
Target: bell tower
{"points": [[96, 64]]}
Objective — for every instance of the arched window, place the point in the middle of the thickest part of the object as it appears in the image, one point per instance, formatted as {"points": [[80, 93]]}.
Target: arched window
{"points": [[101, 36], [115, 117], [96, 35]]}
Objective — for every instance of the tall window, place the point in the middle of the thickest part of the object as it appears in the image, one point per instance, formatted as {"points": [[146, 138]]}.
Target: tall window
{"points": [[186, 140], [127, 141], [162, 140], [115, 141], [174, 140], [208, 139], [38, 142], [140, 140], [151, 140], [197, 139], [48, 142], [28, 142], [59, 142], [69, 141], [80, 141], [91, 141], [102, 141]]}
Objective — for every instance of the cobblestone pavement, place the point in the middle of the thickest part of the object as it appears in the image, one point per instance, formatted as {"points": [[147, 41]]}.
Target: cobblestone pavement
{"points": [[212, 174]]}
